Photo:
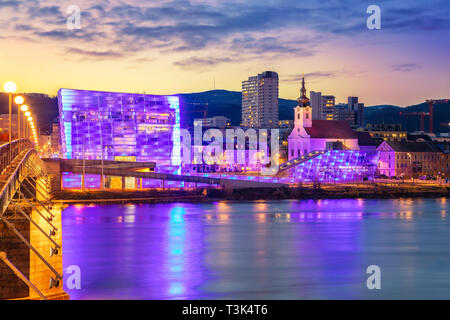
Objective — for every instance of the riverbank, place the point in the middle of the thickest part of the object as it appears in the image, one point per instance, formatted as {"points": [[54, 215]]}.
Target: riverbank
{"points": [[351, 191]]}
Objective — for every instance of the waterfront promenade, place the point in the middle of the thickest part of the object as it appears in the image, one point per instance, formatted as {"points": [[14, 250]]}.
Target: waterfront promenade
{"points": [[392, 189]]}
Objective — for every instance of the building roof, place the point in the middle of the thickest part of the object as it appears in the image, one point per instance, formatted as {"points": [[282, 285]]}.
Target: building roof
{"points": [[364, 139], [412, 146], [330, 129]]}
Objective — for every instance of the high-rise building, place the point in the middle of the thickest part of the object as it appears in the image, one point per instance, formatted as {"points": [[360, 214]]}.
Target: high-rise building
{"points": [[328, 110], [260, 100], [316, 104], [322, 106], [358, 108]]}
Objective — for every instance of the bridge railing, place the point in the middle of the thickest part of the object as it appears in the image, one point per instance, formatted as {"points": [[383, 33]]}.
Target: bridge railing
{"points": [[9, 152]]}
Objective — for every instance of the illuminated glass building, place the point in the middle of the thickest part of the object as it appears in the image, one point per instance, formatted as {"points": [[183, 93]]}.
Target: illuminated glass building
{"points": [[339, 166], [120, 127]]}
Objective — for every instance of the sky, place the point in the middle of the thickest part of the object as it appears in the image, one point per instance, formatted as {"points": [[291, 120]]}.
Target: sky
{"points": [[180, 46]]}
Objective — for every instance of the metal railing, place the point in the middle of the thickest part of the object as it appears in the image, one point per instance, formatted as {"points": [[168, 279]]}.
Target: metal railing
{"points": [[14, 172], [16, 147]]}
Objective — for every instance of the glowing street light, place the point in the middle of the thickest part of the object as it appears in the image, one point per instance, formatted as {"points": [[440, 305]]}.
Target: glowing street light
{"points": [[27, 114], [19, 100], [10, 88], [24, 108]]}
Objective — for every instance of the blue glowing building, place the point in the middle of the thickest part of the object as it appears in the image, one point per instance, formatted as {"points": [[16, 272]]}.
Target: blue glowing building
{"points": [[120, 127], [337, 166]]}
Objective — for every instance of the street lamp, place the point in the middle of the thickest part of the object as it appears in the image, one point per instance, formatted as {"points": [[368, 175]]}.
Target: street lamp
{"points": [[10, 87], [24, 108], [27, 114], [19, 100]]}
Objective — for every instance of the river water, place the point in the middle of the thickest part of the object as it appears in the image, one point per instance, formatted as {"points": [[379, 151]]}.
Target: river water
{"points": [[312, 249]]}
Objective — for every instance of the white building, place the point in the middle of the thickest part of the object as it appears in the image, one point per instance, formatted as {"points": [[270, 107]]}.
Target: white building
{"points": [[260, 101], [317, 135]]}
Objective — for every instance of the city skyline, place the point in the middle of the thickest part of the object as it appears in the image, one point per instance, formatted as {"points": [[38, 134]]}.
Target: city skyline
{"points": [[192, 46]]}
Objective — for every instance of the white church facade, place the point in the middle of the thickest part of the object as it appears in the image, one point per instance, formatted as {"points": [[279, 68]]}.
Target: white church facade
{"points": [[317, 135]]}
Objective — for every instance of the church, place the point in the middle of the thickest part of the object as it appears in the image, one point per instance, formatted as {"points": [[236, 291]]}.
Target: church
{"points": [[317, 135]]}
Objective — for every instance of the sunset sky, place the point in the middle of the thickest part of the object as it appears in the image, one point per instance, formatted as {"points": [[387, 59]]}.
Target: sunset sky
{"points": [[167, 47]]}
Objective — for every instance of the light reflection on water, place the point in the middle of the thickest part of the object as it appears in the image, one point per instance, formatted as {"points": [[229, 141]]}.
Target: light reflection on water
{"points": [[308, 249]]}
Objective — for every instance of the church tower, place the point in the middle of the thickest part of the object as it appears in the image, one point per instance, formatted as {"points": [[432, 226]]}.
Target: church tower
{"points": [[299, 140], [303, 112]]}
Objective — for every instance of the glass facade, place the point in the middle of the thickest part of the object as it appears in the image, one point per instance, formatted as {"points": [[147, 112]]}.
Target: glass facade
{"points": [[339, 166], [120, 127]]}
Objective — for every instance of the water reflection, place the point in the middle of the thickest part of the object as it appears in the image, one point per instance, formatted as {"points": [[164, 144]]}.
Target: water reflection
{"points": [[259, 250]]}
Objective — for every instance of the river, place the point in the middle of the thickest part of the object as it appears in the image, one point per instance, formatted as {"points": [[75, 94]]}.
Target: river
{"points": [[309, 249]]}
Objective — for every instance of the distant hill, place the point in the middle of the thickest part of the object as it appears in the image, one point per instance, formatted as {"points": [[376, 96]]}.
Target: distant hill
{"points": [[391, 114], [43, 106], [222, 103], [228, 104]]}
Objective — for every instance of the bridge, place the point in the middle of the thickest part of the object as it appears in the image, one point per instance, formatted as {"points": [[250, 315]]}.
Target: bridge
{"points": [[143, 170], [30, 228]]}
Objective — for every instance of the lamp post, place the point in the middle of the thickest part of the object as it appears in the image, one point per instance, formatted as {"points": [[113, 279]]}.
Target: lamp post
{"points": [[10, 87], [27, 115], [24, 108], [19, 100]]}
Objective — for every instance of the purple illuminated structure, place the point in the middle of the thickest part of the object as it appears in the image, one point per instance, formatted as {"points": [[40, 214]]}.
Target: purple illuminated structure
{"points": [[338, 166], [120, 127]]}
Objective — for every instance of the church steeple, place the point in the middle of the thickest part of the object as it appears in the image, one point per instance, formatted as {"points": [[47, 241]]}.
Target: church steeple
{"points": [[303, 100]]}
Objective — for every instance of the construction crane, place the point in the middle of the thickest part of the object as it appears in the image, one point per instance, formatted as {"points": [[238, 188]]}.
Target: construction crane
{"points": [[429, 114], [431, 103], [422, 117], [204, 109]]}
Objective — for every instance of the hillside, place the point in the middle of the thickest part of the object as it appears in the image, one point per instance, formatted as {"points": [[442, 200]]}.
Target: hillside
{"points": [[44, 107], [228, 104], [222, 103]]}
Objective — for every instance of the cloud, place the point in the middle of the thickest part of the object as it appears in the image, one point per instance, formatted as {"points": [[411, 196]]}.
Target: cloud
{"points": [[66, 34], [405, 67], [44, 11], [12, 3], [271, 44], [311, 75], [194, 62], [282, 27], [95, 54]]}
